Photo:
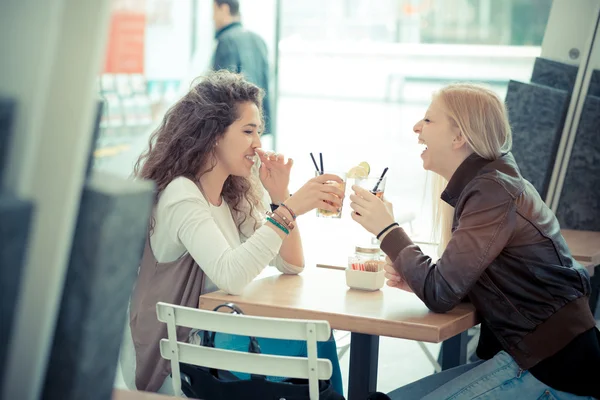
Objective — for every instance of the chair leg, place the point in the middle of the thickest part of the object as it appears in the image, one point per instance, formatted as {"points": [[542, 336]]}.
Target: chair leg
{"points": [[343, 342], [343, 350], [436, 366], [594, 296], [472, 343]]}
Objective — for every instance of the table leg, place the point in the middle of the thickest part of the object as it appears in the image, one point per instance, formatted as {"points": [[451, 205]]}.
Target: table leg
{"points": [[595, 295], [364, 357], [454, 351]]}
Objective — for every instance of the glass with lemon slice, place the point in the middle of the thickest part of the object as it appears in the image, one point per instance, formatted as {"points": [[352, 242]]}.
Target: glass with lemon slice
{"points": [[372, 184]]}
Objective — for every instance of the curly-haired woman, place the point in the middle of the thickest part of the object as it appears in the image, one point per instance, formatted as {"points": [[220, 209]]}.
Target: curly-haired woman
{"points": [[208, 220]]}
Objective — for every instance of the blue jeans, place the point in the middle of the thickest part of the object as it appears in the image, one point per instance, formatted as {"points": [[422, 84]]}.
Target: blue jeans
{"points": [[292, 348], [498, 378]]}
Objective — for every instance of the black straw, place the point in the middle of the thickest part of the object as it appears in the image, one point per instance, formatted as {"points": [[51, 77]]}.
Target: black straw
{"points": [[315, 162], [380, 179], [321, 160]]}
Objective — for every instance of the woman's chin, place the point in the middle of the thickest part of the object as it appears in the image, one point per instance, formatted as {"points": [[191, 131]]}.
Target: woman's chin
{"points": [[426, 163], [244, 173]]}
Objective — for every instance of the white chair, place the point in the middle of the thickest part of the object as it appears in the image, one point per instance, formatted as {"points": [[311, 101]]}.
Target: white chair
{"points": [[310, 367]]}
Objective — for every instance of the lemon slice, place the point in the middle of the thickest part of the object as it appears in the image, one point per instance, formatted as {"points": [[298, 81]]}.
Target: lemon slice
{"points": [[357, 172], [366, 166]]}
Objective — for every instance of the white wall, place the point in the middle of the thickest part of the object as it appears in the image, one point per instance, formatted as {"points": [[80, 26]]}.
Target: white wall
{"points": [[167, 47]]}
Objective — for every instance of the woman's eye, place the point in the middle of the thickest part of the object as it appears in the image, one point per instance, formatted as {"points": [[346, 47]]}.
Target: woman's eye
{"points": [[426, 119], [249, 132]]}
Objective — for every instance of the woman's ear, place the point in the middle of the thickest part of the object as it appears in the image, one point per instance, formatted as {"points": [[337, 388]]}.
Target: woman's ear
{"points": [[459, 140]]}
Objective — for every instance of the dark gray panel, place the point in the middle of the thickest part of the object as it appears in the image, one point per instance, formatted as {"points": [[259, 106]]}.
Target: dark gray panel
{"points": [[107, 247], [536, 116], [15, 220], [579, 205], [7, 111], [554, 74], [594, 87], [95, 135]]}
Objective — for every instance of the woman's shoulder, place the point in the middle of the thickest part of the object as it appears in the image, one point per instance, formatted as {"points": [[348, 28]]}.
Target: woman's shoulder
{"points": [[181, 189]]}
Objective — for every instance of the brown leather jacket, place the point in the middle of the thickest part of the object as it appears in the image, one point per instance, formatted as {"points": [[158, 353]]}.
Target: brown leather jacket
{"points": [[507, 256]]}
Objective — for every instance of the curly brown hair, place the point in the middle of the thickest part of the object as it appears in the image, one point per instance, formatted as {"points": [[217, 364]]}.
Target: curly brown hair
{"points": [[184, 143]]}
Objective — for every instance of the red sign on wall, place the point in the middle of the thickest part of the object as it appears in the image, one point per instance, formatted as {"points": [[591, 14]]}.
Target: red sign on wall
{"points": [[125, 50]]}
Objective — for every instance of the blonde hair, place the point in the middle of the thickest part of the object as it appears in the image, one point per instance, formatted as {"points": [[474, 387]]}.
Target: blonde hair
{"points": [[481, 117]]}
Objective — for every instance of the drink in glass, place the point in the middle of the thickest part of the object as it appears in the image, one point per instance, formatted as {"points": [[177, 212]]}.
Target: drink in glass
{"points": [[373, 185], [333, 214]]}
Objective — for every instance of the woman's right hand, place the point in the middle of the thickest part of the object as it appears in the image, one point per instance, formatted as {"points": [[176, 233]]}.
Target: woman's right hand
{"points": [[315, 193]]}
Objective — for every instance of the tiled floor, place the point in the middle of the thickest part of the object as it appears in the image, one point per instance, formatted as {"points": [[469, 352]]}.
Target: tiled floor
{"points": [[400, 362]]}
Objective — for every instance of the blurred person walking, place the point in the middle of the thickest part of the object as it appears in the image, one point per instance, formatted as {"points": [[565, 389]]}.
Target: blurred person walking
{"points": [[241, 51]]}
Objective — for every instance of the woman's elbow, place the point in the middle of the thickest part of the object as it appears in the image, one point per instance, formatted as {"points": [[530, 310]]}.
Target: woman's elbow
{"points": [[439, 306], [232, 288], [291, 270]]}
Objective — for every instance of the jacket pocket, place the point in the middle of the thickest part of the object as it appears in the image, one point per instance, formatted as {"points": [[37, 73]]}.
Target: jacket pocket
{"points": [[526, 322]]}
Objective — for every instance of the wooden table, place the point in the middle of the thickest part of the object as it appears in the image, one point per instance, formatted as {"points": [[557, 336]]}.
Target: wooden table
{"points": [[584, 246], [322, 294]]}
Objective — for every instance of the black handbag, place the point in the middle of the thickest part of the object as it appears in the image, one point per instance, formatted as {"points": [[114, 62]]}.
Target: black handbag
{"points": [[212, 384]]}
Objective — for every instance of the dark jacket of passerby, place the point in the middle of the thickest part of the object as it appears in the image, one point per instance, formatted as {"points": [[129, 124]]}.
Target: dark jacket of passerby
{"points": [[242, 51]]}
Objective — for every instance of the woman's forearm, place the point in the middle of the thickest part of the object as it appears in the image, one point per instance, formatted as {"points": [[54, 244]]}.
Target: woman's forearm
{"points": [[291, 249]]}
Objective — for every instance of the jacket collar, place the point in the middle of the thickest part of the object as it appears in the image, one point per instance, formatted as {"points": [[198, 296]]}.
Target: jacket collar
{"points": [[464, 174], [226, 28]]}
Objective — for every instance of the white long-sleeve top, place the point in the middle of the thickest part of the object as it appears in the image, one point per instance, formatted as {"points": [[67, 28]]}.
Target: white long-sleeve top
{"points": [[186, 222]]}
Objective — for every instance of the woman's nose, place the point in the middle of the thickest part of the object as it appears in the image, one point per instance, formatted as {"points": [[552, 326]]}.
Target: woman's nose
{"points": [[256, 141], [417, 127]]}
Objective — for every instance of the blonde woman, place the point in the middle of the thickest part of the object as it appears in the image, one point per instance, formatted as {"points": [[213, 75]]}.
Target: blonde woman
{"points": [[504, 253]]}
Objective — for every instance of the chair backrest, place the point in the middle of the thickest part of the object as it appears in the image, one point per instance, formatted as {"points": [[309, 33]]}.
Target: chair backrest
{"points": [[310, 367]]}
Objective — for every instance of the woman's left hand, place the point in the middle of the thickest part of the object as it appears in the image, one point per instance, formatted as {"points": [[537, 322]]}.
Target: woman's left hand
{"points": [[393, 277], [275, 174], [369, 210]]}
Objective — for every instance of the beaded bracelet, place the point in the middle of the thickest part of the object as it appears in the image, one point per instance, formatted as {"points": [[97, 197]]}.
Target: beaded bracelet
{"points": [[283, 219], [276, 206], [277, 224], [289, 209], [289, 224]]}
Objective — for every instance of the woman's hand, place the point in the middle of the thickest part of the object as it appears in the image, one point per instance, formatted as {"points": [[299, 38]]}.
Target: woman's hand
{"points": [[316, 193], [370, 211], [274, 174], [393, 278]]}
